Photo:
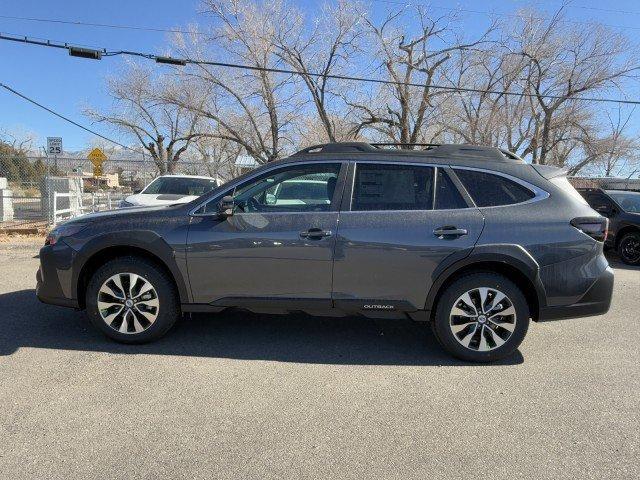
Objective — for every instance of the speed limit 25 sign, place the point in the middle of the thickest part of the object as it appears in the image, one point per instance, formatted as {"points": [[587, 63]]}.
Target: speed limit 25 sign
{"points": [[54, 145]]}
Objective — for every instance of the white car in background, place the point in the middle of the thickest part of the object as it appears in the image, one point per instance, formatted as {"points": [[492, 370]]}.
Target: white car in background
{"points": [[171, 189]]}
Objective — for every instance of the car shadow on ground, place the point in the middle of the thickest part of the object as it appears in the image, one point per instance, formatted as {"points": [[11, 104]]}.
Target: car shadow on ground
{"points": [[25, 322]]}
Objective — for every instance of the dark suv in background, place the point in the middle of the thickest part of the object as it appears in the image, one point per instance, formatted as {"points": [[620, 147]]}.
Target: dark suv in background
{"points": [[471, 239], [622, 208]]}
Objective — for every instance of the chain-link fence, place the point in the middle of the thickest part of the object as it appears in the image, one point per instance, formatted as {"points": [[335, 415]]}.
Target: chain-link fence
{"points": [[37, 192]]}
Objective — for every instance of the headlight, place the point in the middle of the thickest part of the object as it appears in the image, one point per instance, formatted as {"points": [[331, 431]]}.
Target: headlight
{"points": [[125, 204], [64, 230]]}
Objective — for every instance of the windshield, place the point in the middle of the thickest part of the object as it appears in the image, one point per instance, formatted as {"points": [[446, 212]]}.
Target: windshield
{"points": [[180, 186], [629, 201]]}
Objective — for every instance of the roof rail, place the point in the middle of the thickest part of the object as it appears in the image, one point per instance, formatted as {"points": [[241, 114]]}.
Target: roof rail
{"points": [[338, 147], [477, 151], [457, 150], [431, 146], [509, 154], [428, 146]]}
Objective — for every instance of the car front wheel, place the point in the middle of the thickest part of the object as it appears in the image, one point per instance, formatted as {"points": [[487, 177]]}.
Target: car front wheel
{"points": [[132, 300], [481, 317]]}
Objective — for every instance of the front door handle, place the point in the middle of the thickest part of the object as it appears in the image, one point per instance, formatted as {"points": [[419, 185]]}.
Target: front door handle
{"points": [[316, 233], [449, 231]]}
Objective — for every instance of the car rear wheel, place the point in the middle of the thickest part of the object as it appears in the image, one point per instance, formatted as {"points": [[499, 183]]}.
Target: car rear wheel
{"points": [[629, 248], [132, 300], [481, 317]]}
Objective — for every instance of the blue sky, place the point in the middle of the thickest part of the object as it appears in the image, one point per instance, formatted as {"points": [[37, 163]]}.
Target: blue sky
{"points": [[67, 84]]}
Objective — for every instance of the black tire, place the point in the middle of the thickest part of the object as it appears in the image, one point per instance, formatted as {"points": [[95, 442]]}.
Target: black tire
{"points": [[443, 330], [629, 254], [169, 305]]}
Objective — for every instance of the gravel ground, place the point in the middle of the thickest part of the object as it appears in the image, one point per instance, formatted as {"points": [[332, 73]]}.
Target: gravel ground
{"points": [[254, 396]]}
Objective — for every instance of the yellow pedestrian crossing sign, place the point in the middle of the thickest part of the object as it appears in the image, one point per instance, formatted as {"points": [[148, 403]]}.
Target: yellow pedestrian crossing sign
{"points": [[97, 157]]}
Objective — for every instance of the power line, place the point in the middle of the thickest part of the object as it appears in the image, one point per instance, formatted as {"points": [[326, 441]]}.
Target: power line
{"points": [[379, 81], [598, 9], [39, 41], [100, 25], [46, 42], [394, 2], [510, 15], [66, 119]]}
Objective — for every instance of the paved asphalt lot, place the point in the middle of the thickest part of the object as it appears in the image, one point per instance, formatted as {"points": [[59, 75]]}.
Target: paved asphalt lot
{"points": [[253, 396]]}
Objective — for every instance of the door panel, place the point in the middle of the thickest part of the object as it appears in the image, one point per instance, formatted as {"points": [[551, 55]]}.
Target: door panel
{"points": [[261, 255], [385, 258], [277, 247], [388, 257]]}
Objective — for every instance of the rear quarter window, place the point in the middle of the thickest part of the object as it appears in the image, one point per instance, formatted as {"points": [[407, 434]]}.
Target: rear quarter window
{"points": [[489, 190]]}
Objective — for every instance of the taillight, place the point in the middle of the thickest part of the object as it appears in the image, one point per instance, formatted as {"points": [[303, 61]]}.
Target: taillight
{"points": [[595, 227]]}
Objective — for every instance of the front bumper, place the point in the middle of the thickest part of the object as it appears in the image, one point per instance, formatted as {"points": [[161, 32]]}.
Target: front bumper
{"points": [[54, 277], [596, 301]]}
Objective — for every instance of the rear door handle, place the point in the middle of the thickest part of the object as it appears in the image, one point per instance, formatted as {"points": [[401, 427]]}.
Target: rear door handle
{"points": [[316, 233], [449, 231]]}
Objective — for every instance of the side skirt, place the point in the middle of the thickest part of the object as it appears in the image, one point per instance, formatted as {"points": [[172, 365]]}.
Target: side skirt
{"points": [[316, 307]]}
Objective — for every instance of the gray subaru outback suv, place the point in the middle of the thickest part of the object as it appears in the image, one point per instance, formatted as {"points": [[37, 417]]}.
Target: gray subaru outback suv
{"points": [[471, 239]]}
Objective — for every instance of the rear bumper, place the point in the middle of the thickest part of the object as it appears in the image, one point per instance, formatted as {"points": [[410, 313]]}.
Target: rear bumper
{"points": [[596, 301], [53, 280]]}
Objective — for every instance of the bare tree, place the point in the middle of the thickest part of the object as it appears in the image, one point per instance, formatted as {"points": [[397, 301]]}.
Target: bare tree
{"points": [[165, 130], [254, 108], [608, 151], [518, 85], [487, 116], [218, 156], [404, 112], [17, 140], [542, 117], [327, 49], [310, 130], [565, 62]]}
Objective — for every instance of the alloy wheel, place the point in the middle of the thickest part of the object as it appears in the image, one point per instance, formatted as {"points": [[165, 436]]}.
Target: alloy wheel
{"points": [[482, 319], [630, 249], [128, 303]]}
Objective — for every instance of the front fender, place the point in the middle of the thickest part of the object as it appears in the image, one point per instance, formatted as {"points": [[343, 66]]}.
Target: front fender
{"points": [[147, 240]]}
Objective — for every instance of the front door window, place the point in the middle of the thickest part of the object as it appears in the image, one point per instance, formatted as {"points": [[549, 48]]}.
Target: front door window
{"points": [[303, 188]]}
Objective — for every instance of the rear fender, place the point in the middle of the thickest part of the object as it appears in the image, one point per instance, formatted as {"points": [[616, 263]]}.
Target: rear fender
{"points": [[514, 256]]}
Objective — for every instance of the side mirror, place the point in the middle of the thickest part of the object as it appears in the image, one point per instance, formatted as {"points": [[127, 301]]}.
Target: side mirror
{"points": [[604, 210], [225, 207], [137, 191]]}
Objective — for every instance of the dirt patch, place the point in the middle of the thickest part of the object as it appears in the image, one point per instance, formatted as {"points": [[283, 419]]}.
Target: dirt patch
{"points": [[22, 238]]}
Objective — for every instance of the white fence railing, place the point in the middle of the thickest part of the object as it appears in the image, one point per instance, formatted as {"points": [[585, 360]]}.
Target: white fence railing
{"points": [[81, 203], [63, 213]]}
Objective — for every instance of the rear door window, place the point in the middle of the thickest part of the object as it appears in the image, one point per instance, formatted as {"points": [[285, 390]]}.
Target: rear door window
{"points": [[489, 190], [392, 187]]}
